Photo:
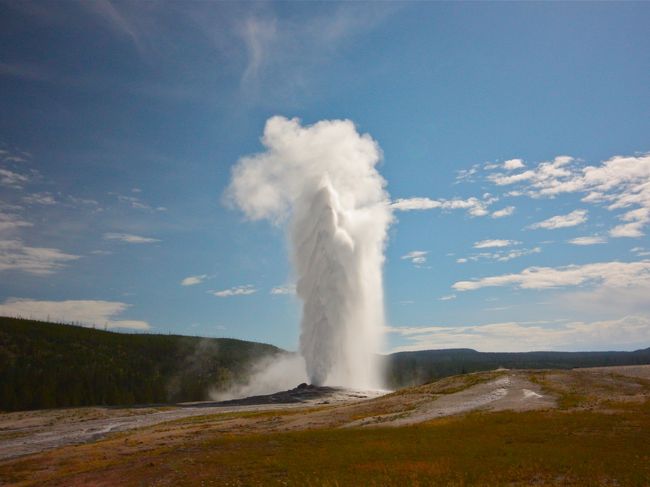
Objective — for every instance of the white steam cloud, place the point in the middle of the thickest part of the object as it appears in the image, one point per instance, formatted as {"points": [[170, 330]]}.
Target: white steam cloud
{"points": [[322, 181]]}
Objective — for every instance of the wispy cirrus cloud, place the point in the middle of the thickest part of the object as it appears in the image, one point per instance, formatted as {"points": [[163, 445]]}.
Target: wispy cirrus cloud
{"points": [[129, 238], [13, 179], [499, 255], [416, 257], [590, 240], [244, 290], [473, 205], [285, 289], [10, 221], [15, 255], [485, 244]]}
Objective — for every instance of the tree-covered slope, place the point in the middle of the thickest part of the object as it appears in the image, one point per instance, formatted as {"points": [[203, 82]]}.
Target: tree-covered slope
{"points": [[45, 365]]}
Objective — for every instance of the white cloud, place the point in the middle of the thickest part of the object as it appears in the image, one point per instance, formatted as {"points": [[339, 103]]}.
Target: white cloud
{"points": [[84, 312], [501, 255], [484, 244], [619, 182], [592, 240], [137, 203], [467, 174], [628, 333], [609, 274], [12, 179], [507, 211], [637, 219], [194, 280], [416, 256], [473, 205], [15, 255], [410, 204], [447, 298], [235, 291], [572, 219], [284, 290], [461, 260], [128, 238], [513, 164], [45, 199], [10, 222], [640, 251], [540, 177]]}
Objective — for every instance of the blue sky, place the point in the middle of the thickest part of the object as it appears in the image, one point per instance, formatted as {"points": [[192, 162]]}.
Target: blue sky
{"points": [[509, 130]]}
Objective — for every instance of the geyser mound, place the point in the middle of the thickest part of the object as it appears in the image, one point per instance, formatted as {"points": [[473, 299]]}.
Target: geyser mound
{"points": [[322, 181]]}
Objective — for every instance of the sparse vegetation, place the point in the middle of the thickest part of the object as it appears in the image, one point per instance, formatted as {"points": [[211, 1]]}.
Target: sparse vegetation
{"points": [[602, 440]]}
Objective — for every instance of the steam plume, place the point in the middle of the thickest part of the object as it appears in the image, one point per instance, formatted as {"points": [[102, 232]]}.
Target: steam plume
{"points": [[322, 180]]}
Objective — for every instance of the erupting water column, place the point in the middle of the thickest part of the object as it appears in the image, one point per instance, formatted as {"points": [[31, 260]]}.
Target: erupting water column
{"points": [[322, 179]]}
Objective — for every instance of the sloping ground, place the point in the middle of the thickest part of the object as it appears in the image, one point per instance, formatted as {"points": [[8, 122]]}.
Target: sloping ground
{"points": [[580, 427]]}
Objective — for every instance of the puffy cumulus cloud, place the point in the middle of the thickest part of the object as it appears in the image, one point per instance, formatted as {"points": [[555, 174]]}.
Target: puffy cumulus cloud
{"points": [[235, 291], [608, 274], [129, 238], [591, 240], [484, 244], [15, 255], [507, 211], [283, 290], [575, 218], [84, 312], [416, 256], [541, 176], [637, 219], [627, 333], [619, 183], [194, 280], [473, 205], [512, 164]]}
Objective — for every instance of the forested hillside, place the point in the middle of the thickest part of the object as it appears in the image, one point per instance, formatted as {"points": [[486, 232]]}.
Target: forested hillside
{"points": [[410, 368], [45, 365]]}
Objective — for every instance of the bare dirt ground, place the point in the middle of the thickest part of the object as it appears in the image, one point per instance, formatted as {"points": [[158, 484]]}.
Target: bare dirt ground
{"points": [[71, 447], [24, 433]]}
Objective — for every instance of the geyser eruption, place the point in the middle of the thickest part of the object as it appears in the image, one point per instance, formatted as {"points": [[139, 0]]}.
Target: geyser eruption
{"points": [[322, 180]]}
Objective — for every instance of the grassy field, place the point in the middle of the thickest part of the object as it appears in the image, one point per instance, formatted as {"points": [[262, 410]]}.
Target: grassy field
{"points": [[599, 435]]}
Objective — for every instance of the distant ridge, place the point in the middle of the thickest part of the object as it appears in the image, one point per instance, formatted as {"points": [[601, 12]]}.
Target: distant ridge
{"points": [[410, 368]]}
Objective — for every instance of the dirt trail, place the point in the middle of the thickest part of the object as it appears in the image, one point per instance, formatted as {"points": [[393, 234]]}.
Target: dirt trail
{"points": [[511, 391]]}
